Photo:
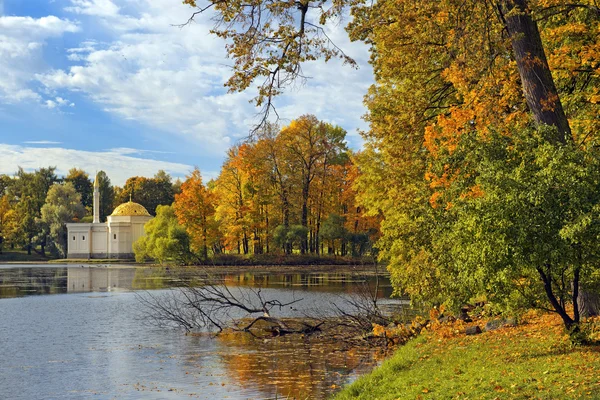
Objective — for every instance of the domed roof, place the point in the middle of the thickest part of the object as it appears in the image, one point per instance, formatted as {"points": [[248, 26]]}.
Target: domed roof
{"points": [[131, 209]]}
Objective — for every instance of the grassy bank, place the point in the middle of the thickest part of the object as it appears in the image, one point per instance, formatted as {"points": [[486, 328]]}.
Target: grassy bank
{"points": [[21, 256], [534, 360]]}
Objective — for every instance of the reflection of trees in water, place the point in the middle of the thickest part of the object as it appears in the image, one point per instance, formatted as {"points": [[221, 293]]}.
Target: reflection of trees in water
{"points": [[18, 282], [293, 366], [318, 282]]}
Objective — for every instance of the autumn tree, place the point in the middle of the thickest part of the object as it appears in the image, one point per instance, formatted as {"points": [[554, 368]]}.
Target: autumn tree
{"points": [[195, 209], [83, 185], [311, 146], [232, 211], [5, 212]]}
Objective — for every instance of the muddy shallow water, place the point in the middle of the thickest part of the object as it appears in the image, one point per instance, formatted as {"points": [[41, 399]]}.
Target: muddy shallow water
{"points": [[74, 332]]}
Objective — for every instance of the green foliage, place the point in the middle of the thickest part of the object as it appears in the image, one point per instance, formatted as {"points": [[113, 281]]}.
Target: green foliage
{"points": [[29, 189], [519, 217], [63, 205], [107, 195], [289, 236], [165, 239], [333, 228], [149, 192]]}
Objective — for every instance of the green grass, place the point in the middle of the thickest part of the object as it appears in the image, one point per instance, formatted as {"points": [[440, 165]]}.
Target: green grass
{"points": [[92, 261], [21, 256], [532, 361]]}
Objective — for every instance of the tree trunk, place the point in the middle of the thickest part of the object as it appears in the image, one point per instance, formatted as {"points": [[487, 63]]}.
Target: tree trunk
{"points": [[547, 280], [245, 242], [538, 85], [267, 228], [204, 241], [304, 219]]}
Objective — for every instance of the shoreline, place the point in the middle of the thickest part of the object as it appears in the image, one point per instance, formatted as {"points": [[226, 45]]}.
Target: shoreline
{"points": [[268, 268]]}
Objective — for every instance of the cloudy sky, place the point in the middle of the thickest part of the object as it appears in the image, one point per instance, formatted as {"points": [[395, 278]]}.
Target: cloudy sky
{"points": [[111, 85]]}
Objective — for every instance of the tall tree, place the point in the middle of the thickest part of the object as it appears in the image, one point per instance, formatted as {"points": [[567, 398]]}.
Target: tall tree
{"points": [[63, 205], [83, 185], [195, 209], [233, 207], [107, 195], [310, 144]]}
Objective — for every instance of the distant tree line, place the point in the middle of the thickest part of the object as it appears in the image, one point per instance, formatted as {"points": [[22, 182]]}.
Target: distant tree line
{"points": [[35, 206]]}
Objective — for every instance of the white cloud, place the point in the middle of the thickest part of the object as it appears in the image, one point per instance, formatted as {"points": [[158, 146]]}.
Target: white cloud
{"points": [[41, 142], [21, 43], [132, 62], [117, 164], [172, 79], [102, 8]]}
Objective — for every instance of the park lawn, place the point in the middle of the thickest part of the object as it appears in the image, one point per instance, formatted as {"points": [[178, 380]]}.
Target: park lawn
{"points": [[533, 360]]}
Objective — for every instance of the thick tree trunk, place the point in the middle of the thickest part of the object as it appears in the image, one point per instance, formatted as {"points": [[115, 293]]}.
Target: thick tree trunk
{"points": [[538, 85]]}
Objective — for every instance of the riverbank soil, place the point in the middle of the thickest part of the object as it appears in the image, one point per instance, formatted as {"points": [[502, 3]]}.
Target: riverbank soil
{"points": [[533, 360]]}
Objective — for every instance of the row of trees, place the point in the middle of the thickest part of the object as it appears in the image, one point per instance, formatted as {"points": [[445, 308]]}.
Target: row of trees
{"points": [[289, 189]]}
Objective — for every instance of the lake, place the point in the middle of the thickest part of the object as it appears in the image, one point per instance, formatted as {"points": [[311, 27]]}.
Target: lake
{"points": [[74, 331]]}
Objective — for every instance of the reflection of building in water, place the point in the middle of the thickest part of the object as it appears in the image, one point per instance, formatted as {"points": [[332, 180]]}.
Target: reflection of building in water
{"points": [[111, 239], [99, 279]]}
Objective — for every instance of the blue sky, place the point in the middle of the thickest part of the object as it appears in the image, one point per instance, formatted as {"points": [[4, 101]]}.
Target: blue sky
{"points": [[111, 85]]}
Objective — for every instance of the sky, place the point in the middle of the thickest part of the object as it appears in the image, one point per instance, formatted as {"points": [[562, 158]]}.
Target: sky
{"points": [[112, 85]]}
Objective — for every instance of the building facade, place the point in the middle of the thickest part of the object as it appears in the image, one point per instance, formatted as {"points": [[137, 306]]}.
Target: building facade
{"points": [[111, 239]]}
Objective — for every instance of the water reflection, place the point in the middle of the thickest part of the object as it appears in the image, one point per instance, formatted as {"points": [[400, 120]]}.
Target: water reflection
{"points": [[99, 279], [293, 367], [42, 280]]}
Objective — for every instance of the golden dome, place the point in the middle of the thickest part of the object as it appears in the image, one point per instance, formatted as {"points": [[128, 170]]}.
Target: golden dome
{"points": [[130, 209]]}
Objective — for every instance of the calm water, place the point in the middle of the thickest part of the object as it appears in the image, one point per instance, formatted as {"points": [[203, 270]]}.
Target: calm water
{"points": [[74, 332]]}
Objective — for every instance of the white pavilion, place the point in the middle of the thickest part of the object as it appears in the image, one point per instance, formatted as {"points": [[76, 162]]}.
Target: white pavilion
{"points": [[111, 239]]}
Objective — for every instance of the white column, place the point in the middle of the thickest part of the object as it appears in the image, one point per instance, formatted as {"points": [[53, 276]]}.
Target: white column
{"points": [[96, 201]]}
